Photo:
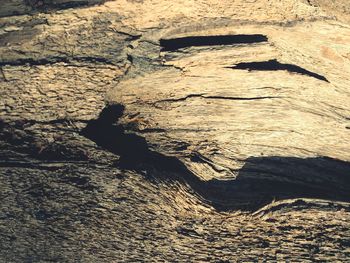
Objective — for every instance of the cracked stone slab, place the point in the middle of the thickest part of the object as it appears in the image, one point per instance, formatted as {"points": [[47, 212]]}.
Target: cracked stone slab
{"points": [[227, 143], [229, 115]]}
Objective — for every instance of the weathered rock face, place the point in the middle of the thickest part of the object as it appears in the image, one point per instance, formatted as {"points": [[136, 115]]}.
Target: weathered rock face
{"points": [[21, 7], [337, 8], [232, 97], [187, 131]]}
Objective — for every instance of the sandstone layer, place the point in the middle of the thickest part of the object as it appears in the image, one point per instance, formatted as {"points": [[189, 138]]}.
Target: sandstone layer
{"points": [[162, 131]]}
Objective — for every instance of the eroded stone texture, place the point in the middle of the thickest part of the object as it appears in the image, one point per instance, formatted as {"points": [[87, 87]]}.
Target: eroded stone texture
{"points": [[196, 131], [20, 7]]}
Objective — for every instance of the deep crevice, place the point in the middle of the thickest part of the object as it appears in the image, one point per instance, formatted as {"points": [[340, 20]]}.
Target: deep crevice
{"points": [[54, 60], [197, 41], [259, 181], [273, 64]]}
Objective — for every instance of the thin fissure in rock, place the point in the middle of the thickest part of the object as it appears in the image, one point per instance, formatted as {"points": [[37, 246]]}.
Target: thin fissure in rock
{"points": [[173, 44], [209, 97], [272, 65]]}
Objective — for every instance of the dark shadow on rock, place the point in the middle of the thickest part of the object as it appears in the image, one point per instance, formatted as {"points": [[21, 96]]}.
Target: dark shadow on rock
{"points": [[106, 133], [264, 179], [133, 149], [174, 44], [45, 5], [261, 179], [272, 65]]}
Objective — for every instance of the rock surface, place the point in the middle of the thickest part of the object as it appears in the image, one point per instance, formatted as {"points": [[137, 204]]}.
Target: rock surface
{"points": [[202, 131]]}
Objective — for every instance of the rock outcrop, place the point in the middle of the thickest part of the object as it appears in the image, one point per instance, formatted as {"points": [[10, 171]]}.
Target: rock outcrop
{"points": [[181, 131]]}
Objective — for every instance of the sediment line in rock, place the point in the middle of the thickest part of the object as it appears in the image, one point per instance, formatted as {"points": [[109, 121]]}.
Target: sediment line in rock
{"points": [[55, 60]]}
